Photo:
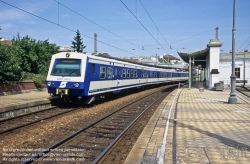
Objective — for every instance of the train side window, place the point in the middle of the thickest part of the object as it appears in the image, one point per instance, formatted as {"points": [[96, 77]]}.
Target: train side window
{"points": [[128, 73], [92, 68], [124, 73], [144, 74], [132, 73], [154, 74], [102, 72], [110, 72], [135, 75]]}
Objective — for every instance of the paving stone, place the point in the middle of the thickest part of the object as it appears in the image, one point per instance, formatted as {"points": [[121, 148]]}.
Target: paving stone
{"points": [[208, 129]]}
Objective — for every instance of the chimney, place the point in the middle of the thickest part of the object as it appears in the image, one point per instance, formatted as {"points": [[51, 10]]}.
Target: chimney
{"points": [[216, 34]]}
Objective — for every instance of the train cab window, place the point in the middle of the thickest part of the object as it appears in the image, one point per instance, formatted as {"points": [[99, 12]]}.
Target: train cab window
{"points": [[124, 73], [102, 72], [66, 69], [92, 68], [128, 73], [110, 73]]}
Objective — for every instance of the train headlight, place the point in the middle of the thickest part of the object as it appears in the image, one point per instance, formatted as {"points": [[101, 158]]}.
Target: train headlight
{"points": [[50, 84], [76, 85]]}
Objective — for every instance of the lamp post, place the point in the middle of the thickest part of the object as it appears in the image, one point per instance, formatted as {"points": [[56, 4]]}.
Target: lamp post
{"points": [[233, 99], [245, 51], [189, 71]]}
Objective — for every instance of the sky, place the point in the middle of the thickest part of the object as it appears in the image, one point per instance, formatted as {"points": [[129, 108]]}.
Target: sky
{"points": [[129, 28]]}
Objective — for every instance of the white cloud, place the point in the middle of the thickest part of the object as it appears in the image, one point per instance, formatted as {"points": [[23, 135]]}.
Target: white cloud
{"points": [[7, 26], [16, 14], [11, 14], [65, 16]]}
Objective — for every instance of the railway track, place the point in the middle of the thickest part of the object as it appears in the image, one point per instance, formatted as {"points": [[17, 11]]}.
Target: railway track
{"points": [[14, 123], [245, 92], [91, 143]]}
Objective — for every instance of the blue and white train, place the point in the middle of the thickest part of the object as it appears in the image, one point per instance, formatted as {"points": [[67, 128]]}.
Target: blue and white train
{"points": [[87, 77]]}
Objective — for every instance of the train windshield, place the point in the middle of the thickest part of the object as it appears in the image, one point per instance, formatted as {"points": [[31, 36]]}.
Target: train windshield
{"points": [[66, 69]]}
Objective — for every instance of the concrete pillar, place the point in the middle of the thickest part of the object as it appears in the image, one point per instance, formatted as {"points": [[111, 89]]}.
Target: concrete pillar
{"points": [[213, 62]]}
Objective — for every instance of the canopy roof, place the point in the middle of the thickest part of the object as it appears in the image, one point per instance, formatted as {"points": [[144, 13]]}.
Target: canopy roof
{"points": [[198, 56]]}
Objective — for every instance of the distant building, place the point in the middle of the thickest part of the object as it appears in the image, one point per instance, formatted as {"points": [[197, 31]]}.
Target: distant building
{"points": [[6, 42], [148, 60], [242, 67], [103, 54], [65, 48], [171, 59], [131, 59], [164, 61]]}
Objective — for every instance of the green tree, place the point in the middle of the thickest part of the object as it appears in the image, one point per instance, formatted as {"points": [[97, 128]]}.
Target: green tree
{"points": [[77, 44], [10, 69], [27, 59], [35, 55]]}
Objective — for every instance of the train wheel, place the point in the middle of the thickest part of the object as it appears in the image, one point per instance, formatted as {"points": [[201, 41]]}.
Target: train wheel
{"points": [[66, 99]]}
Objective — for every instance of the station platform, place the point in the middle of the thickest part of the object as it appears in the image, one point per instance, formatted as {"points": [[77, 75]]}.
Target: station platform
{"points": [[191, 126], [24, 100]]}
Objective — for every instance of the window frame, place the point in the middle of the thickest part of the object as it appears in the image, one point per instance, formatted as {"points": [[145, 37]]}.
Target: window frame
{"points": [[108, 72], [237, 72], [124, 73], [128, 73], [132, 73], [102, 72]]}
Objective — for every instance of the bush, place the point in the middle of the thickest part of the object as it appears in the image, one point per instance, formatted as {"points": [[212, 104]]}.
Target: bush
{"points": [[38, 79]]}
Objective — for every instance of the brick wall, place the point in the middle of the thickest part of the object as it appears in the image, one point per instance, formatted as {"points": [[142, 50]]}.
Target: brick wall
{"points": [[18, 86]]}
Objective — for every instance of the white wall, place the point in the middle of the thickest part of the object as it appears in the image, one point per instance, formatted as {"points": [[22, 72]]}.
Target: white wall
{"points": [[213, 60], [226, 70]]}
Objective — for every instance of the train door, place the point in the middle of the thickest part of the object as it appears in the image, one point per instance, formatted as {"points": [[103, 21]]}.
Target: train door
{"points": [[117, 76]]}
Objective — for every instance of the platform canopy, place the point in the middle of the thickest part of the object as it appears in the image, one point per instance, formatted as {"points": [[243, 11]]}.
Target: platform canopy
{"points": [[199, 57]]}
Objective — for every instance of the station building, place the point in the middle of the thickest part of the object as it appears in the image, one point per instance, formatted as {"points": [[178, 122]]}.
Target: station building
{"points": [[210, 66]]}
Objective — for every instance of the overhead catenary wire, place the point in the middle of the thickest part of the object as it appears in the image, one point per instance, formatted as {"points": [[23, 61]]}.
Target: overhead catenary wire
{"points": [[64, 27], [243, 43], [139, 46], [142, 25], [181, 39], [247, 46], [191, 37], [153, 21]]}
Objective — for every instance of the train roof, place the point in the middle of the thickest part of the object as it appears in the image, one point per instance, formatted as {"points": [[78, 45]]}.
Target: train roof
{"points": [[118, 60]]}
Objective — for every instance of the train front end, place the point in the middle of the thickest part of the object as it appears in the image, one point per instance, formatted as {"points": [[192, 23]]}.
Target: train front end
{"points": [[66, 75]]}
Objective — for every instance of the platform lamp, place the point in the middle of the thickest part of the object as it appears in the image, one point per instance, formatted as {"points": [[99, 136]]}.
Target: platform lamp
{"points": [[189, 71], [233, 99], [244, 68]]}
